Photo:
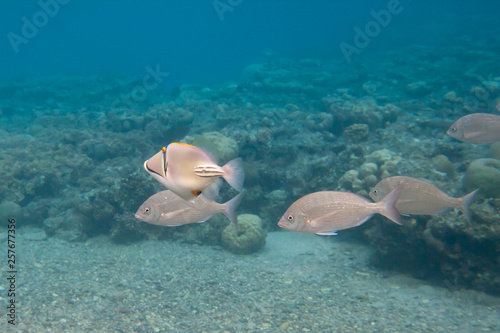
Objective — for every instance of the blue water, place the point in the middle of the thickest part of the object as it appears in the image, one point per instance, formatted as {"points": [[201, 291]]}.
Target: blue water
{"points": [[312, 96], [189, 40]]}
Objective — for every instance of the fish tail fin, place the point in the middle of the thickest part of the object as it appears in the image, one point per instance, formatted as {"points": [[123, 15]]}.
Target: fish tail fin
{"points": [[234, 173], [230, 210], [388, 205], [466, 201]]}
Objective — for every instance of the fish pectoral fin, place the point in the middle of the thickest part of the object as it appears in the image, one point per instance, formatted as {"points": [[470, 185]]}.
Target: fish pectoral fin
{"points": [[321, 219], [327, 233], [472, 135], [208, 171]]}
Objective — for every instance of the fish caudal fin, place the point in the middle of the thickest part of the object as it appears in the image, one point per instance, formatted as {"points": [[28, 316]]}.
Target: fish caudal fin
{"points": [[231, 207], [388, 205], [234, 173], [466, 200]]}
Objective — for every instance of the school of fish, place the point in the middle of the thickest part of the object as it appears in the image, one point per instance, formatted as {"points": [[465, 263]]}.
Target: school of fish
{"points": [[192, 177]]}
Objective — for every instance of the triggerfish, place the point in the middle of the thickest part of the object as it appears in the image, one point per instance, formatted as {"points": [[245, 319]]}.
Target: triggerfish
{"points": [[481, 128], [168, 209], [419, 197], [325, 212], [188, 170]]}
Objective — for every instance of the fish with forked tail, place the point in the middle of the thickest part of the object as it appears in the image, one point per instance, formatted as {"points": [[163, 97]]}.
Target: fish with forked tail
{"points": [[168, 209], [419, 197], [325, 212]]}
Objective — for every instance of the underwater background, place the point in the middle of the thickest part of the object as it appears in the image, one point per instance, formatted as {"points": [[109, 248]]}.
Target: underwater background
{"points": [[313, 96]]}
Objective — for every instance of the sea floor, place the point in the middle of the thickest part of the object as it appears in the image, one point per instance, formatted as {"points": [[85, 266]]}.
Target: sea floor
{"points": [[298, 283]]}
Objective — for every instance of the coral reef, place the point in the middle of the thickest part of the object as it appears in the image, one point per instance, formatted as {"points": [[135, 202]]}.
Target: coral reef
{"points": [[10, 210], [299, 125], [356, 132], [379, 164], [348, 110], [495, 150], [443, 164], [249, 238], [444, 247], [466, 252], [360, 181], [484, 173], [221, 146]]}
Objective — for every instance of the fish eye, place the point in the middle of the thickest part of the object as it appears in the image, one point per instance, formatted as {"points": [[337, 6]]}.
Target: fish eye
{"points": [[289, 217], [375, 192], [147, 210], [453, 129]]}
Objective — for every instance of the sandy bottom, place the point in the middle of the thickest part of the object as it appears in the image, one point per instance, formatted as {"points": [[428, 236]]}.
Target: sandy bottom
{"points": [[298, 283]]}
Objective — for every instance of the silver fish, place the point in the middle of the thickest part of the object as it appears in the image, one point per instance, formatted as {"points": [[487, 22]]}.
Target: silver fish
{"points": [[325, 212], [168, 209], [419, 197], [481, 128]]}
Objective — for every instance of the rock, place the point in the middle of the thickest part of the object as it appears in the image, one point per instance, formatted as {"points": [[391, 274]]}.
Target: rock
{"points": [[347, 180], [319, 122], [69, 226], [360, 181], [51, 224], [495, 150], [368, 169], [451, 96], [10, 210], [249, 238], [365, 110], [224, 148], [370, 181], [33, 234], [443, 164], [356, 132], [387, 162], [418, 89], [484, 173], [380, 157]]}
